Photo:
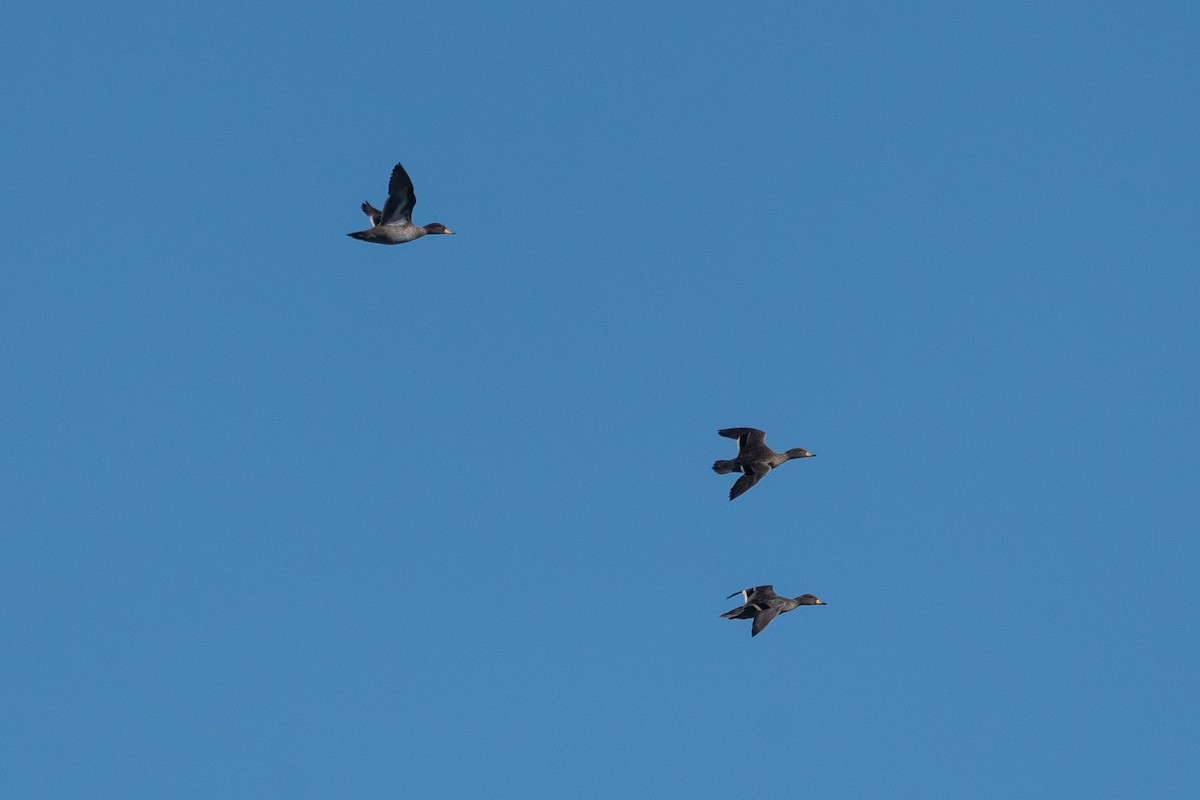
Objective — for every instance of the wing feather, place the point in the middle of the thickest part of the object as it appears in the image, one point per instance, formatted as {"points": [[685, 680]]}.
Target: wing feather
{"points": [[743, 485], [763, 618], [747, 437], [401, 199], [372, 213]]}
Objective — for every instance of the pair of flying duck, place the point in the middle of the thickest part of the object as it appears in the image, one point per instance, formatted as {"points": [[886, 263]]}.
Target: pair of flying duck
{"points": [[754, 460]]}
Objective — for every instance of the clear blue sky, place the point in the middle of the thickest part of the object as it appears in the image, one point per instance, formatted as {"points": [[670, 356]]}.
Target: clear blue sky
{"points": [[291, 515]]}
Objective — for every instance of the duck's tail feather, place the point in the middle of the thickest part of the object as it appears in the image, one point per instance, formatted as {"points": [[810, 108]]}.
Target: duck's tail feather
{"points": [[741, 612]]}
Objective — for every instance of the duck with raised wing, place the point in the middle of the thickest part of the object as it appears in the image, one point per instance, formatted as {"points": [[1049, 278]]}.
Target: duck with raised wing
{"points": [[761, 604], [394, 224], [754, 458]]}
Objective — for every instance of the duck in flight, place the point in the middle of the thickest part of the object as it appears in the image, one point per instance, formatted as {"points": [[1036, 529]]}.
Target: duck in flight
{"points": [[754, 458], [761, 604], [394, 224]]}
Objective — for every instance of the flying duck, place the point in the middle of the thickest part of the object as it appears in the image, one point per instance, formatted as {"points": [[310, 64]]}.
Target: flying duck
{"points": [[761, 604], [394, 224], [754, 458]]}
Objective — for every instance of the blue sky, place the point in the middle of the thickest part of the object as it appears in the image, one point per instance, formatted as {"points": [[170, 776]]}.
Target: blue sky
{"points": [[290, 515]]}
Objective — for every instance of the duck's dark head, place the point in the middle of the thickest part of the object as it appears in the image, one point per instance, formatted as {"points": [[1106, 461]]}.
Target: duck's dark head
{"points": [[799, 452], [437, 227], [809, 600]]}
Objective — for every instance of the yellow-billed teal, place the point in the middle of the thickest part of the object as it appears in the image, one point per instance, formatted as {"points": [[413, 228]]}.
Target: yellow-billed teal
{"points": [[754, 458], [761, 604], [394, 224]]}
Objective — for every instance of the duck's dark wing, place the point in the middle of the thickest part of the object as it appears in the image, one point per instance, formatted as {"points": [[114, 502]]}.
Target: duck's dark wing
{"points": [[746, 437], [756, 600], [401, 199], [744, 483], [372, 213], [763, 594], [763, 618], [754, 593]]}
